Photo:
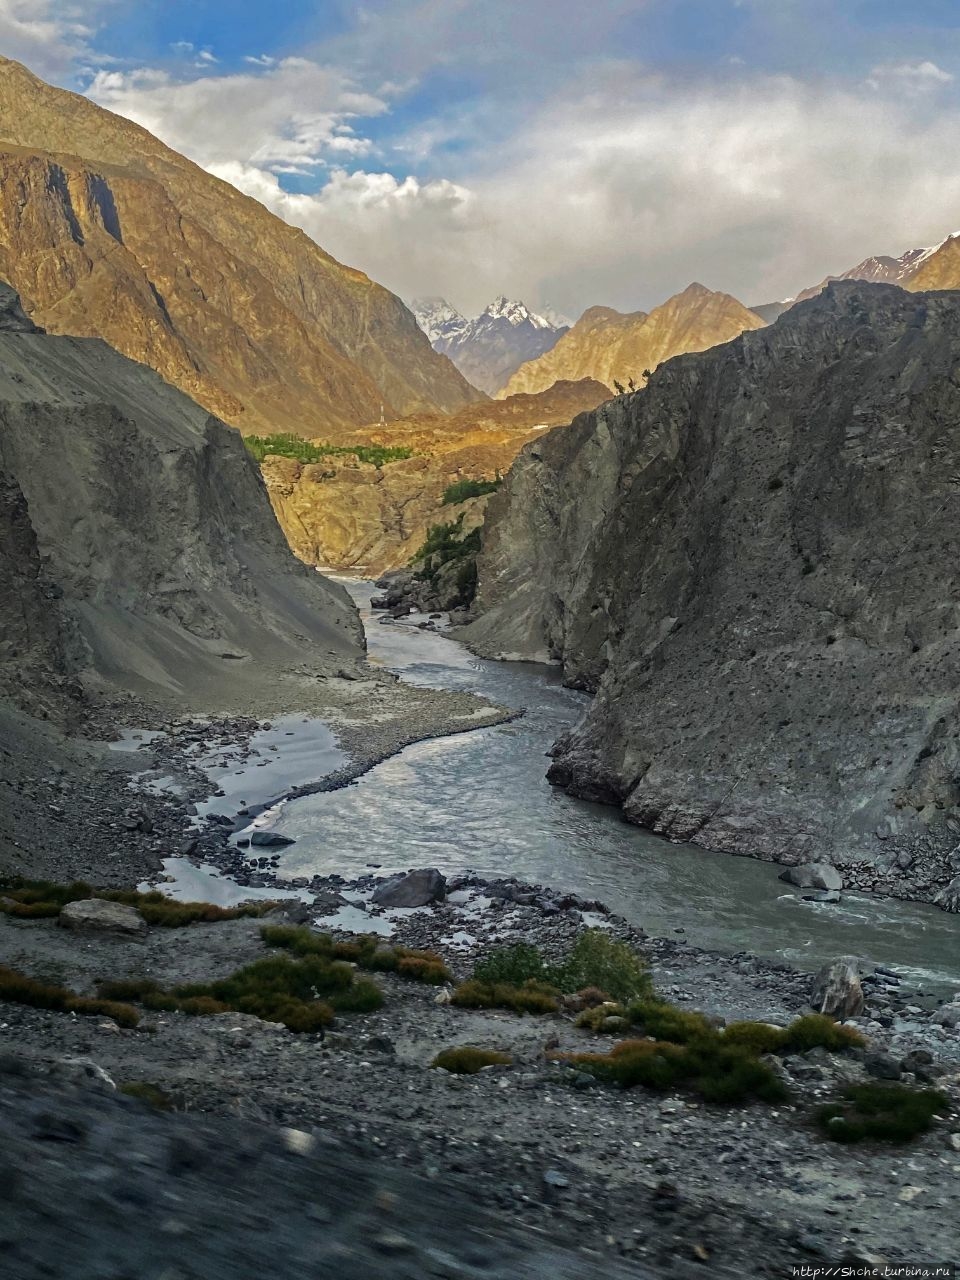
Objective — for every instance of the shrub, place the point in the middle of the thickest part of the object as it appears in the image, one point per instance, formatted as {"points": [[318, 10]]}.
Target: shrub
{"points": [[202, 1006], [599, 960], [19, 989], [287, 445], [362, 996], [592, 1019], [518, 963], [816, 1030], [466, 1060], [128, 988], [530, 997], [125, 1015], [423, 970], [881, 1113], [664, 1021], [461, 490], [366, 951], [758, 1037], [159, 1001], [36, 899], [151, 1094], [721, 1074]]}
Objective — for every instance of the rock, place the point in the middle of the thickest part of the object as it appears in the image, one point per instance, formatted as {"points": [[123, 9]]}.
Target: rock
{"points": [[813, 875], [836, 989], [953, 1141], [415, 889], [822, 895], [949, 897], [948, 1016], [269, 839], [102, 916], [882, 1066], [923, 1065], [556, 1180]]}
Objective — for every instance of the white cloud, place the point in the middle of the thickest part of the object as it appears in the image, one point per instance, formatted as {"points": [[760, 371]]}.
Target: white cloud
{"points": [[288, 117], [50, 36], [619, 188], [625, 192], [910, 77]]}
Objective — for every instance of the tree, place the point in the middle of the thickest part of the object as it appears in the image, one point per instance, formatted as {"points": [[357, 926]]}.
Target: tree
{"points": [[620, 389]]}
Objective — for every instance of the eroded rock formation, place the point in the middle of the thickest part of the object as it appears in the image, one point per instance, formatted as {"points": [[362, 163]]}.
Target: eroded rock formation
{"points": [[753, 563]]}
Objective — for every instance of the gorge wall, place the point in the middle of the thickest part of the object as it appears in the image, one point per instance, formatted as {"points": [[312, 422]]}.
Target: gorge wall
{"points": [[139, 549], [753, 563]]}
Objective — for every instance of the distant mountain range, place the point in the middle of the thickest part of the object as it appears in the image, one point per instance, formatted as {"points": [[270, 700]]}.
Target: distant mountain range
{"points": [[612, 347], [493, 345]]}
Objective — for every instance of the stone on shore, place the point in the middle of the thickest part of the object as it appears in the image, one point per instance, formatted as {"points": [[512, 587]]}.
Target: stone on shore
{"points": [[270, 839], [414, 889], [836, 989], [102, 916], [813, 875]]}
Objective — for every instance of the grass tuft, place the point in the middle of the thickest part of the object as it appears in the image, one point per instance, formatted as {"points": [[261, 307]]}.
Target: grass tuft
{"points": [[881, 1113], [467, 1060], [530, 997]]}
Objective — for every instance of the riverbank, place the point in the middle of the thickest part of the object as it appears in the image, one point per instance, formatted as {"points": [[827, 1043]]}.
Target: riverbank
{"points": [[556, 1160]]}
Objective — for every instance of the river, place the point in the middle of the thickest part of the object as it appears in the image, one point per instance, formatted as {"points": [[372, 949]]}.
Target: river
{"points": [[480, 801]]}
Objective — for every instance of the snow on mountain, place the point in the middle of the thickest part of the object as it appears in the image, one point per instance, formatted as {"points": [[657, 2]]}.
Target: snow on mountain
{"points": [[493, 345]]}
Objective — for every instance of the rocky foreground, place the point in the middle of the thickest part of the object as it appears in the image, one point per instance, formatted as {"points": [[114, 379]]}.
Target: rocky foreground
{"points": [[349, 1154], [751, 563]]}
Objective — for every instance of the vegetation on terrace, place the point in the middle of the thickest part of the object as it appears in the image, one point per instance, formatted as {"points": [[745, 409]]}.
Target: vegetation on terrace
{"points": [[286, 445]]}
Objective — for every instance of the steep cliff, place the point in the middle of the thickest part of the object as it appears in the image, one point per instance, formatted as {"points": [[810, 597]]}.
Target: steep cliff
{"points": [[105, 232], [351, 515], [753, 563], [137, 543], [607, 345]]}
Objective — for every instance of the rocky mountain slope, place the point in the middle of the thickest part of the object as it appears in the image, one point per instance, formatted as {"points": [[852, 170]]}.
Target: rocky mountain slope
{"points": [[105, 232], [491, 347], [940, 268], [352, 515], [608, 345], [752, 563], [139, 548]]}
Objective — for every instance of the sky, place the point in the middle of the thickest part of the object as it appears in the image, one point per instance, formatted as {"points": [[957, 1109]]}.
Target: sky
{"points": [[565, 152]]}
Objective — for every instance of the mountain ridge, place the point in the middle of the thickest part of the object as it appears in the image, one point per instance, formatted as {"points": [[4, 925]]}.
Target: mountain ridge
{"points": [[181, 271]]}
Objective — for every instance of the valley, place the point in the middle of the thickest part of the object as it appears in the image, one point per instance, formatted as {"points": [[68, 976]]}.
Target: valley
{"points": [[478, 789]]}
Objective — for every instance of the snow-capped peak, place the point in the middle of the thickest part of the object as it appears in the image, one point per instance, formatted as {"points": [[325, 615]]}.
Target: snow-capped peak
{"points": [[437, 318], [517, 313]]}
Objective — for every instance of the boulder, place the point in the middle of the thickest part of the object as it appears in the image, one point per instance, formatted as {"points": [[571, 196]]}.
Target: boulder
{"points": [[269, 839], [882, 1066], [102, 916], [414, 889], [949, 897], [813, 875], [836, 989]]}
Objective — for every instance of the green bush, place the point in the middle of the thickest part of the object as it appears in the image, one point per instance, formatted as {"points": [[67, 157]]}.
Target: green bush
{"points": [[18, 988], [128, 988], [726, 1075], [599, 960], [461, 490], [366, 951], [530, 997], [817, 1031], [466, 1060], [286, 445], [517, 963], [881, 1113], [148, 1093]]}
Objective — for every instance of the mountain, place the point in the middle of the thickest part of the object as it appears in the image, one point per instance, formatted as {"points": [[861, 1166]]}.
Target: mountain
{"points": [[354, 516], [105, 232], [488, 349], [939, 268], [908, 270], [138, 545], [753, 564], [608, 345]]}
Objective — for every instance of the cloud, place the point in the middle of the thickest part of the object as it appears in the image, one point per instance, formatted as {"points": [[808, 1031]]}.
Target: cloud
{"points": [[290, 116], [624, 192], [50, 36], [910, 77]]}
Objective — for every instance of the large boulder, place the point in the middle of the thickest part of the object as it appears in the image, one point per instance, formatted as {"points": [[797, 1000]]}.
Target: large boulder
{"points": [[813, 875], [99, 915], [414, 889], [836, 989]]}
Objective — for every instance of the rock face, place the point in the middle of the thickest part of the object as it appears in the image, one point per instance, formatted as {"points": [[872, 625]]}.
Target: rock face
{"points": [[138, 542], [350, 515], [607, 345], [836, 989], [105, 232], [940, 269], [490, 348], [752, 563]]}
